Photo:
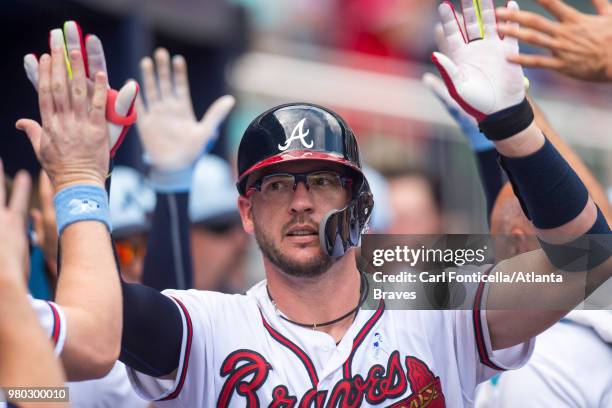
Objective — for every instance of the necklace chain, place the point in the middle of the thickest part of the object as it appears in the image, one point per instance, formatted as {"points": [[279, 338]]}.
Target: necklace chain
{"points": [[364, 288]]}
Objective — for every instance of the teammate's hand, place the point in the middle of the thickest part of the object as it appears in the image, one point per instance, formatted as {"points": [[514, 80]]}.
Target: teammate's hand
{"points": [[475, 68], [171, 135], [13, 241], [72, 144], [120, 114], [468, 125], [44, 223], [579, 43]]}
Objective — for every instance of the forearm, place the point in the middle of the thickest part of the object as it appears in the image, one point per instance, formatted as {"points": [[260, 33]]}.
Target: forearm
{"points": [[25, 351], [565, 220], [167, 263], [517, 312], [89, 292], [523, 145]]}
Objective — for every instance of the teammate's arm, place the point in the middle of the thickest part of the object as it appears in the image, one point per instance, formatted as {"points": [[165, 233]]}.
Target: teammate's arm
{"points": [[553, 197], [173, 140], [72, 147], [486, 155], [27, 355], [484, 149], [167, 263]]}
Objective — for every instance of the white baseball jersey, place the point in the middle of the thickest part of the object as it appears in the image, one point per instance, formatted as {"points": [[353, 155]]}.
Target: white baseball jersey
{"points": [[570, 367], [113, 390], [52, 320], [238, 352]]}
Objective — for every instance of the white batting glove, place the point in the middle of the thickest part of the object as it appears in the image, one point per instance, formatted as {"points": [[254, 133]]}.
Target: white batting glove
{"points": [[172, 137], [120, 112], [475, 69], [467, 123]]}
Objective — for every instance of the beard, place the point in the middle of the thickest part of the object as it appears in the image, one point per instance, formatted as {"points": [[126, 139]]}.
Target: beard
{"points": [[313, 267]]}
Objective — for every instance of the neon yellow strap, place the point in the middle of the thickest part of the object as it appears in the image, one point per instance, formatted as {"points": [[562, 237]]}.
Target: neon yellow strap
{"points": [[478, 9], [68, 66]]}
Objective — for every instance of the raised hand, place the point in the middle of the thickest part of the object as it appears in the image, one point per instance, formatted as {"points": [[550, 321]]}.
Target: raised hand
{"points": [[119, 111], [72, 143], [579, 43], [13, 241], [468, 124], [475, 68], [172, 137]]}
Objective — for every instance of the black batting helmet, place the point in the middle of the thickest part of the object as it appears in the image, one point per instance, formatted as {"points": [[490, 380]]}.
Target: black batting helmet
{"points": [[303, 131]]}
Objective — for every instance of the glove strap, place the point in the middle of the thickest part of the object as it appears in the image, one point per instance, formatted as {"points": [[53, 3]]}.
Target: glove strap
{"points": [[508, 122], [114, 117]]}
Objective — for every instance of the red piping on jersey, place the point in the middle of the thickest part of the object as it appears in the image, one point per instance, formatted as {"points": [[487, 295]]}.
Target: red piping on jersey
{"points": [[312, 373], [56, 323], [479, 333], [179, 387], [361, 336]]}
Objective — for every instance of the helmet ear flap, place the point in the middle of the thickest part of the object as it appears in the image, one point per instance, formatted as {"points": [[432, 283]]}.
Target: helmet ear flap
{"points": [[341, 230]]}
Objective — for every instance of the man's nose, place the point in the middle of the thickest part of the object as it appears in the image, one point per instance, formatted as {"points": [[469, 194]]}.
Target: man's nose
{"points": [[301, 200]]}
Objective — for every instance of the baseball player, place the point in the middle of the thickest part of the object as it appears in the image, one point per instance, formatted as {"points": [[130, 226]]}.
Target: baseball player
{"points": [[300, 336]]}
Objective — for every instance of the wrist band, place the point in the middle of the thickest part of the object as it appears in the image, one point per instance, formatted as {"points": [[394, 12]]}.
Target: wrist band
{"points": [[508, 122], [168, 181], [81, 202], [174, 181], [585, 252]]}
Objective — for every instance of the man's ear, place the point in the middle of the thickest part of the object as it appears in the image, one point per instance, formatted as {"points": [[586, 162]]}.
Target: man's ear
{"points": [[514, 243], [522, 242], [245, 206]]}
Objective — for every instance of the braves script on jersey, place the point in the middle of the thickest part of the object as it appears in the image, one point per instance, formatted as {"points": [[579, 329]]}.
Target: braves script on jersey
{"points": [[238, 352]]}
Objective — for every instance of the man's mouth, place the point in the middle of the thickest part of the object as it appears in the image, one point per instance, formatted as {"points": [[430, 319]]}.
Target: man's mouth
{"points": [[300, 231]]}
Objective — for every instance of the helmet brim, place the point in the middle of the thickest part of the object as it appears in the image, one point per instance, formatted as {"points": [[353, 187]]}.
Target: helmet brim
{"points": [[293, 156]]}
